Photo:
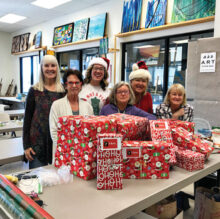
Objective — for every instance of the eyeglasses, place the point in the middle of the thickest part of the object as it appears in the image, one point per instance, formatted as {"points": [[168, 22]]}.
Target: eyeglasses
{"points": [[97, 69], [125, 92], [71, 83]]}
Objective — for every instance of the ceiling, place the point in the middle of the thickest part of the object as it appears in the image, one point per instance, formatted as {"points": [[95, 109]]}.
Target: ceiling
{"points": [[36, 15]]}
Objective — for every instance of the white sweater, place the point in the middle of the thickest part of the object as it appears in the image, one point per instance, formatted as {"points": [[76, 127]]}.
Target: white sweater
{"points": [[60, 108]]}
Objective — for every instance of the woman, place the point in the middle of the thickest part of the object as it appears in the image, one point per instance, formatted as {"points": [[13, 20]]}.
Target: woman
{"points": [[139, 79], [95, 89], [71, 104], [121, 101], [37, 142], [174, 106]]}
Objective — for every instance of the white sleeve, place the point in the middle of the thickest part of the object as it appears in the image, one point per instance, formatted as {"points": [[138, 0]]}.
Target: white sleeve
{"points": [[53, 119]]}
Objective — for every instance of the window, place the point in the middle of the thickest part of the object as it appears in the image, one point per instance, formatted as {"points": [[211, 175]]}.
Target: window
{"points": [[166, 59], [29, 70]]}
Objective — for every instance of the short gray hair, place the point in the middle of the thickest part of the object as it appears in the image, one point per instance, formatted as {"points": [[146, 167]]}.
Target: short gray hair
{"points": [[112, 96]]}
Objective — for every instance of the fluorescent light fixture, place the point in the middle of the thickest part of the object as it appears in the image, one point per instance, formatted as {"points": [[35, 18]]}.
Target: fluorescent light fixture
{"points": [[49, 3], [146, 46], [11, 18], [180, 41]]}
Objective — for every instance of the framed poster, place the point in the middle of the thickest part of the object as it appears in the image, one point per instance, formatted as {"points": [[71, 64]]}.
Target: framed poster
{"points": [[80, 30], [16, 44], [97, 26], [38, 40], [63, 34], [24, 42]]}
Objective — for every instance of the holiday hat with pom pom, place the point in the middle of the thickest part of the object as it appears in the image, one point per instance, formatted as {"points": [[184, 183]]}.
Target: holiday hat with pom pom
{"points": [[140, 70], [100, 61]]}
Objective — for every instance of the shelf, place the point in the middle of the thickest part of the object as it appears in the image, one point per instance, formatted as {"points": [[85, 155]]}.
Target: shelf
{"points": [[78, 42], [30, 50], [167, 26]]}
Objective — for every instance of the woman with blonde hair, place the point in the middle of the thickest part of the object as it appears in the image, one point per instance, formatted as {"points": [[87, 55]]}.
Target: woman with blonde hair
{"points": [[121, 100], [37, 142], [174, 105], [95, 89]]}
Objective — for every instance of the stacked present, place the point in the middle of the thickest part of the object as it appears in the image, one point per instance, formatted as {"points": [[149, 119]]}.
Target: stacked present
{"points": [[77, 142], [186, 140], [109, 161], [146, 160], [188, 126], [160, 131], [132, 127]]}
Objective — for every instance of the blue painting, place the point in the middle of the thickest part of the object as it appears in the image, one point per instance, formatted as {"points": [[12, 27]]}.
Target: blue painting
{"points": [[131, 17], [156, 13], [80, 29], [97, 26]]}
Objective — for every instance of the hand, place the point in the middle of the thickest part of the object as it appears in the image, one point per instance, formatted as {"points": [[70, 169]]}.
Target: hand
{"points": [[178, 113], [28, 152]]}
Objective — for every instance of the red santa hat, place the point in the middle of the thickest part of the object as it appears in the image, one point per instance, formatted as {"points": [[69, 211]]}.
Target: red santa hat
{"points": [[100, 61], [140, 70]]}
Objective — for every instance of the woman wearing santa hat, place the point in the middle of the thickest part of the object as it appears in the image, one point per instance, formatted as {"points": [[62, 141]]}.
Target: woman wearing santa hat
{"points": [[139, 79], [95, 89]]}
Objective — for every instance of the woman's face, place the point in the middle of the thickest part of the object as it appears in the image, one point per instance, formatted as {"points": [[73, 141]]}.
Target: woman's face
{"points": [[176, 98], [139, 85], [73, 85], [122, 94], [98, 72], [49, 70]]}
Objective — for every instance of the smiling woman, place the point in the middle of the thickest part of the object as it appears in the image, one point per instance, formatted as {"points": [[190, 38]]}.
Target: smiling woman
{"points": [[174, 106]]}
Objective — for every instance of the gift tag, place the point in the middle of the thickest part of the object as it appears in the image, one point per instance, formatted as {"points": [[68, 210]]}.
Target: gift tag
{"points": [[110, 143], [131, 152]]}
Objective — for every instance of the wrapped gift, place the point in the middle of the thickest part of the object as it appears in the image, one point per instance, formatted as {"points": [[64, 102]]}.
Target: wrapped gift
{"points": [[186, 140], [109, 161], [190, 160], [132, 127], [146, 160], [160, 131], [188, 126]]}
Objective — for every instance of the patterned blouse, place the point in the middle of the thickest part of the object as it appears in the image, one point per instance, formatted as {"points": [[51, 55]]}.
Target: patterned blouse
{"points": [[163, 111], [36, 132]]}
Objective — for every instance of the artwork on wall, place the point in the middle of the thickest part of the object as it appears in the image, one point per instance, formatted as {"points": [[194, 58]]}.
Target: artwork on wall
{"points": [[97, 26], [80, 29], [103, 46], [16, 44], [38, 40], [63, 34], [192, 9], [24, 42], [156, 13], [131, 16]]}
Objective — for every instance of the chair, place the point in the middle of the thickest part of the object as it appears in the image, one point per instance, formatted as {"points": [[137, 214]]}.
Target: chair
{"points": [[4, 117]]}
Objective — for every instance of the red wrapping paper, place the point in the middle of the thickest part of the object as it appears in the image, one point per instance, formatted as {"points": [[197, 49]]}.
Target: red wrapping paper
{"points": [[190, 160], [145, 160], [188, 126], [109, 162], [186, 140]]}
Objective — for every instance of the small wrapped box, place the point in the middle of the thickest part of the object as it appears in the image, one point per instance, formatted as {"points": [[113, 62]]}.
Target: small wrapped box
{"points": [[145, 160], [188, 126], [160, 131], [190, 160], [109, 162], [186, 140]]}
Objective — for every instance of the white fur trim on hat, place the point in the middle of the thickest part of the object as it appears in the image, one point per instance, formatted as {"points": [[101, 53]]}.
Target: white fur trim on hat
{"points": [[98, 61], [139, 73]]}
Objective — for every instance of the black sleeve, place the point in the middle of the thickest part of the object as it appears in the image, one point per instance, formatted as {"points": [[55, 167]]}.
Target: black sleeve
{"points": [[29, 112]]}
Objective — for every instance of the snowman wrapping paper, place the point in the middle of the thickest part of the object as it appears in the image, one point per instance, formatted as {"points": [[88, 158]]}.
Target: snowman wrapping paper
{"points": [[109, 162], [188, 126], [145, 160]]}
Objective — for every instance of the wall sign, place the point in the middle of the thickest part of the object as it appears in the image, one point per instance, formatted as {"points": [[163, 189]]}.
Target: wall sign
{"points": [[207, 62]]}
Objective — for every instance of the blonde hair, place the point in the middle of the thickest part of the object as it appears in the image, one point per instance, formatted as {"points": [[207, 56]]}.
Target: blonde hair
{"points": [[180, 89], [112, 96], [103, 82], [40, 85]]}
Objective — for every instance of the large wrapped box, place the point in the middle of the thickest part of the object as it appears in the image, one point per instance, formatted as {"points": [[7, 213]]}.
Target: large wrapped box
{"points": [[132, 127], [190, 160], [145, 160], [186, 140], [109, 161], [160, 131]]}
